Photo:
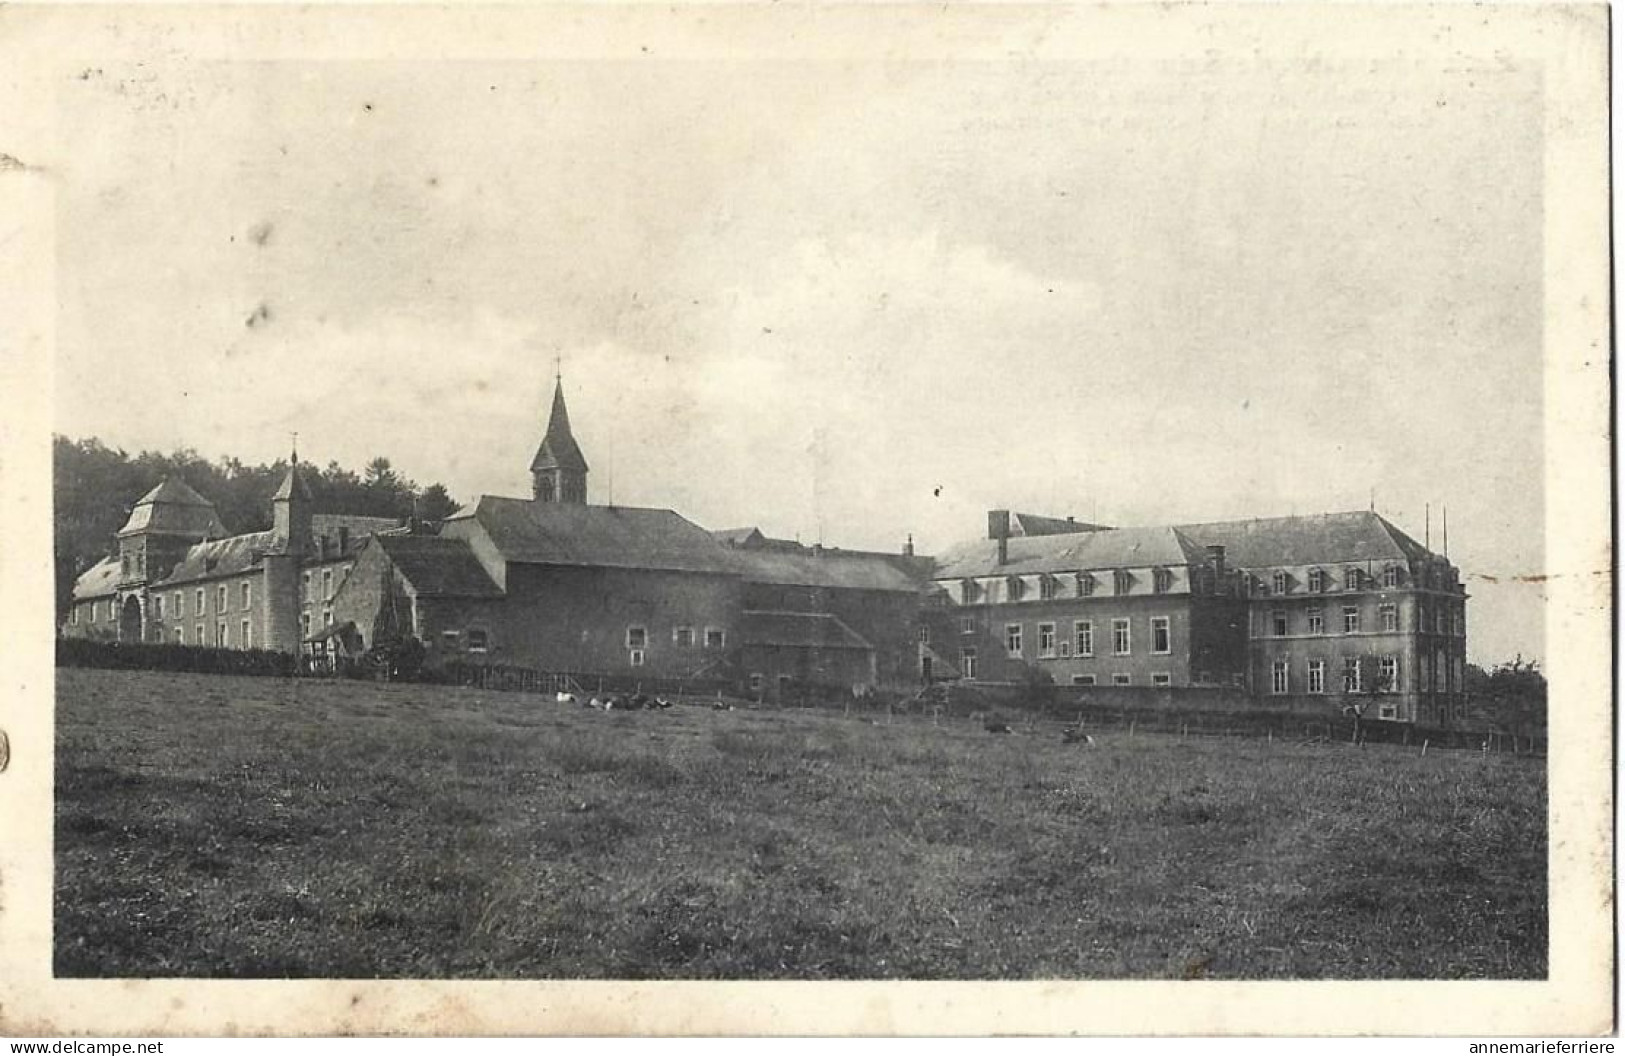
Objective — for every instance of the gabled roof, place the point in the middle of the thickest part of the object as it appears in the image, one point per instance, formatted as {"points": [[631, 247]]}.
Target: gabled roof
{"points": [[823, 568], [1076, 551], [436, 566], [223, 557], [551, 533], [738, 536], [174, 508], [801, 630], [1033, 524], [1313, 539], [98, 581], [559, 449]]}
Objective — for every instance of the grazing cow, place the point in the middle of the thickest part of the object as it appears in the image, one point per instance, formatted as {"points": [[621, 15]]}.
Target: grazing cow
{"points": [[596, 704], [1073, 735], [998, 727], [568, 698], [662, 703], [718, 705]]}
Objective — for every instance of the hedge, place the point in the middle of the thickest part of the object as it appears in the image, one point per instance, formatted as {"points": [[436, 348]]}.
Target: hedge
{"points": [[86, 652]]}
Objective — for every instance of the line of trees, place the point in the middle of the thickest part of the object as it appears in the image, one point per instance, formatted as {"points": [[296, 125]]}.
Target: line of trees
{"points": [[94, 487]]}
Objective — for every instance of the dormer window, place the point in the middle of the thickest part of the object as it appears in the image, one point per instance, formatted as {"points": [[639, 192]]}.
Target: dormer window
{"points": [[1278, 582], [1046, 587], [1014, 588], [1121, 581], [1317, 581], [1162, 581], [1086, 584], [970, 591], [1390, 577], [1351, 579]]}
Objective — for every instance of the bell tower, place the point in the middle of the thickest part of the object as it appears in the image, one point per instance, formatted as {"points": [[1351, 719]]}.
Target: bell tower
{"points": [[558, 473]]}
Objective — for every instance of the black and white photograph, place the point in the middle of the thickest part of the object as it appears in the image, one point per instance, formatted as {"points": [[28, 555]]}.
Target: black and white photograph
{"points": [[1051, 495]]}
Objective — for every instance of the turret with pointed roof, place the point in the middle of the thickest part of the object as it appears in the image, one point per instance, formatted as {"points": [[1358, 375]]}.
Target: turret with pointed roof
{"points": [[291, 508], [559, 470]]}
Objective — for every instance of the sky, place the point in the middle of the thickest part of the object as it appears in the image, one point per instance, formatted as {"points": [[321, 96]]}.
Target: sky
{"points": [[842, 300]]}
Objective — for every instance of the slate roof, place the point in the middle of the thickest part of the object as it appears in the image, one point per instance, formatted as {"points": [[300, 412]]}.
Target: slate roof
{"points": [[827, 568], [98, 581], [173, 507], [559, 448], [1110, 548], [1313, 539], [358, 525], [1033, 524], [223, 557], [555, 533], [436, 566], [801, 630]]}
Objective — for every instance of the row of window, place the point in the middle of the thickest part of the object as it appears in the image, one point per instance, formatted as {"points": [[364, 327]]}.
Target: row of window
{"points": [[1084, 584], [1280, 621], [1353, 680], [177, 603], [683, 636], [1319, 580], [1051, 645], [307, 581], [1122, 678], [222, 635]]}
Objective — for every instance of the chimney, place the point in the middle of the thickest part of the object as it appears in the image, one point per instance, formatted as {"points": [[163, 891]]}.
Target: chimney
{"points": [[998, 528], [908, 547]]}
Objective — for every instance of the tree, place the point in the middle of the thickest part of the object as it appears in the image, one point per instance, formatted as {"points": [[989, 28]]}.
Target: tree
{"points": [[435, 503], [1511, 697]]}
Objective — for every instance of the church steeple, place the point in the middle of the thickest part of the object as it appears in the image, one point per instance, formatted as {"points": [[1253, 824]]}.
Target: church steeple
{"points": [[559, 470]]}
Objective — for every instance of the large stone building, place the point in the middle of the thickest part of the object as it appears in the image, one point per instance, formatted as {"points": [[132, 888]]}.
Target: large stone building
{"points": [[1312, 612]]}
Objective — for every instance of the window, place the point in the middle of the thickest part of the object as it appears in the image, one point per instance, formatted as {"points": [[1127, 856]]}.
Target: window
{"points": [[1390, 617], [478, 641], [1317, 621], [1279, 678], [1388, 674], [1439, 621], [756, 682], [683, 637], [199, 601], [1351, 620], [124, 560], [304, 624], [1046, 640], [1317, 581], [1278, 623], [1317, 676], [1121, 678], [1121, 581], [73, 615], [1455, 623], [967, 625], [180, 635], [158, 606], [715, 638], [1351, 579], [1162, 581], [220, 593], [450, 640], [1121, 643], [1388, 711], [1084, 632], [327, 616], [1086, 584], [1351, 674], [222, 637], [177, 599], [1390, 577], [636, 657], [247, 639], [925, 635], [1278, 582], [327, 584], [197, 635], [1159, 635], [1014, 588], [1083, 680], [1046, 588], [967, 662], [970, 591], [304, 585], [1160, 679], [637, 637], [1012, 639], [248, 594]]}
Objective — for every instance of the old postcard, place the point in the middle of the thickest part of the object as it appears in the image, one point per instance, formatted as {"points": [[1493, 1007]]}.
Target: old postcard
{"points": [[843, 519]]}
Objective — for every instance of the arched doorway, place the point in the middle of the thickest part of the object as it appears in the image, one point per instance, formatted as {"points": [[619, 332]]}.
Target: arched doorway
{"points": [[129, 620]]}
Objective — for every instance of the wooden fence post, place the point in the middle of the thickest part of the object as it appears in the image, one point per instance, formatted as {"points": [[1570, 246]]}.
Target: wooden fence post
{"points": [[1424, 747]]}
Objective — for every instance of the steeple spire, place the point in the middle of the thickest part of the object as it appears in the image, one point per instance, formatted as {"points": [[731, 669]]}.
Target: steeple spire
{"points": [[559, 470]]}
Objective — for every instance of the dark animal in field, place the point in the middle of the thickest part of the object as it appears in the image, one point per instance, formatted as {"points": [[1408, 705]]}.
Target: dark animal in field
{"points": [[720, 706], [662, 703], [1073, 735], [641, 702], [998, 727]]}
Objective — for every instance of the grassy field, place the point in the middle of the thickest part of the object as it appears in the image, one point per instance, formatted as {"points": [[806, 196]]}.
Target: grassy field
{"points": [[224, 826]]}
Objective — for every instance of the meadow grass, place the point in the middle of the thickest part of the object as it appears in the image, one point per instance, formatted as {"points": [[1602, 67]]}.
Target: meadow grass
{"points": [[214, 825]]}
